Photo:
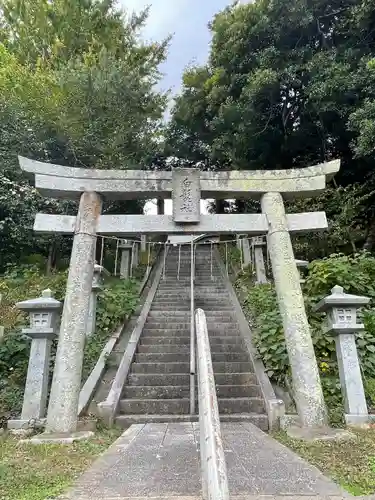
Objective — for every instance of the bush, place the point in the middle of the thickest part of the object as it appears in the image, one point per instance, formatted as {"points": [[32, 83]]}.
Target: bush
{"points": [[357, 275], [116, 303]]}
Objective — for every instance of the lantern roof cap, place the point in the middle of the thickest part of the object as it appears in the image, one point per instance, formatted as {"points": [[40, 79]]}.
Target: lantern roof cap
{"points": [[46, 302], [339, 298]]}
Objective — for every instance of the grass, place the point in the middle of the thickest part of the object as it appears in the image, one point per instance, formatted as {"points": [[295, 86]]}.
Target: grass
{"points": [[30, 472], [350, 463]]}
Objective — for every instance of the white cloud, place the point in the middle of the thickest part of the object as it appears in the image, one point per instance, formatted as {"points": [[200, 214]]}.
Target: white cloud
{"points": [[186, 21]]}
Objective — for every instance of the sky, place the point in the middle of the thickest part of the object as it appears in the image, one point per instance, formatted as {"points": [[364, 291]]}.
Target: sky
{"points": [[186, 21]]}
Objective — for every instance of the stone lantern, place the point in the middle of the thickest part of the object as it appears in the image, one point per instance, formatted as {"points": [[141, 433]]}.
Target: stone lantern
{"points": [[260, 270], [126, 249], [97, 286], [341, 321], [43, 322], [301, 264]]}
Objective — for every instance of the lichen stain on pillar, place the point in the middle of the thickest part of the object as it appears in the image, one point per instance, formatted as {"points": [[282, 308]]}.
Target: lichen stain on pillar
{"points": [[305, 374], [66, 383]]}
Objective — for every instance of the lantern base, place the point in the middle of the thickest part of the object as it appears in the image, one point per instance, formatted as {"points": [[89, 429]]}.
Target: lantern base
{"points": [[59, 438], [22, 425], [353, 420], [319, 434]]}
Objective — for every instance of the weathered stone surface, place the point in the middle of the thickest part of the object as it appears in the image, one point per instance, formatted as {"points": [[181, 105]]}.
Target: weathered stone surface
{"points": [[312, 434], [162, 461], [246, 252], [59, 438], [186, 195], [125, 262], [135, 260], [301, 264], [306, 382], [66, 383], [341, 321], [260, 268], [43, 316], [254, 224], [160, 205], [355, 405], [68, 182], [97, 285], [143, 243]]}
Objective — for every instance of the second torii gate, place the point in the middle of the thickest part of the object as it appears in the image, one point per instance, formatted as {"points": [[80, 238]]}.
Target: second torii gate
{"points": [[186, 187]]}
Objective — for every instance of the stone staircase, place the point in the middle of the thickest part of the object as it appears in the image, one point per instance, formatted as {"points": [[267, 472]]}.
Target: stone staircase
{"points": [[157, 389]]}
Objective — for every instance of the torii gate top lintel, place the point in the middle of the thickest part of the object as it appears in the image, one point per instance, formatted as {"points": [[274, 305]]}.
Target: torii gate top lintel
{"points": [[69, 182]]}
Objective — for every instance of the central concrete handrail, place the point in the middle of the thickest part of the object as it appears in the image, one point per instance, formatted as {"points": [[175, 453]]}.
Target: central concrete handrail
{"points": [[214, 469], [192, 330], [108, 408]]}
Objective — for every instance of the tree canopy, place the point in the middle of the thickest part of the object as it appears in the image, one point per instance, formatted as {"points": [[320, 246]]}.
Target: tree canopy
{"points": [[287, 84], [77, 87]]}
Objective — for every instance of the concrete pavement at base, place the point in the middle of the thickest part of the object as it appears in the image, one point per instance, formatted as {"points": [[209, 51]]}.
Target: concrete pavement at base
{"points": [[162, 461]]}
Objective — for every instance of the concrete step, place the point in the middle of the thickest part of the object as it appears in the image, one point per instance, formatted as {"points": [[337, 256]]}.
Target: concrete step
{"points": [[177, 357], [170, 346], [241, 405], [182, 406], [226, 328], [218, 316], [259, 420], [238, 391], [183, 391], [178, 292], [155, 406], [152, 340], [163, 357], [222, 302], [179, 304], [160, 367], [204, 290], [219, 367], [228, 340], [156, 379], [157, 392], [170, 307], [163, 348], [152, 324], [172, 332]]}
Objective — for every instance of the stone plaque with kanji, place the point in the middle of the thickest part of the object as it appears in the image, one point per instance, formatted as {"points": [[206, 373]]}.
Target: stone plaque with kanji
{"points": [[186, 195]]}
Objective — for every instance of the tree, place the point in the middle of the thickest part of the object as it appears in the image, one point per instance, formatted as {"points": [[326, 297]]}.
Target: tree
{"points": [[77, 87], [288, 84]]}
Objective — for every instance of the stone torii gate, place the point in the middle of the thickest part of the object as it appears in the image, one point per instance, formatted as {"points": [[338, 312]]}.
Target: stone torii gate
{"points": [[185, 187]]}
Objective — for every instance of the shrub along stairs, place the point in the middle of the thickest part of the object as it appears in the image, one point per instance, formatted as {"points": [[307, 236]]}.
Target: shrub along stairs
{"points": [[157, 389]]}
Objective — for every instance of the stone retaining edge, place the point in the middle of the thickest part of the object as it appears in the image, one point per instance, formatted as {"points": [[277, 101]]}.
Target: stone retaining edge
{"points": [[107, 409], [275, 407]]}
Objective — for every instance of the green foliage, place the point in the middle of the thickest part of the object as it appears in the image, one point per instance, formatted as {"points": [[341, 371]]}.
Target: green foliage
{"points": [[116, 303], [289, 84], [77, 87], [356, 274], [349, 463], [31, 472]]}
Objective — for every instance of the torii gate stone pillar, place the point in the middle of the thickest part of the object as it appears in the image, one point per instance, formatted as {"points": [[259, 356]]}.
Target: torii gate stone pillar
{"points": [[306, 382], [66, 382], [185, 187]]}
